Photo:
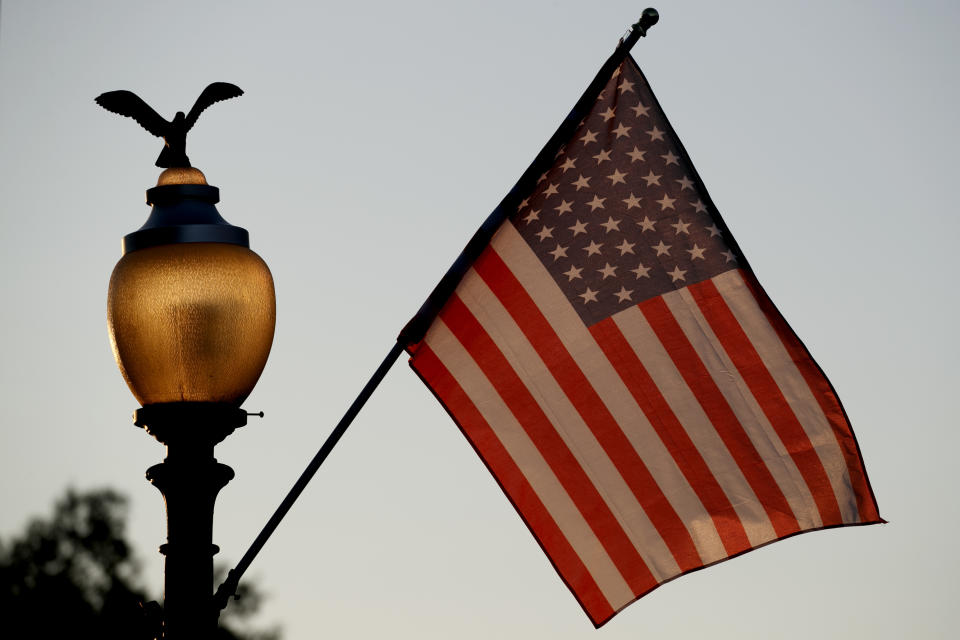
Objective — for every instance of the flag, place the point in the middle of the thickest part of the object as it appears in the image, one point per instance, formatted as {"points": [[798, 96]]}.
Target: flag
{"points": [[613, 360]]}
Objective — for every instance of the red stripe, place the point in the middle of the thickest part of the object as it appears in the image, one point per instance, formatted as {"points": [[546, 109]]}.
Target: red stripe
{"points": [[514, 484], [551, 446], [700, 382], [591, 408], [770, 397], [829, 403], [673, 435]]}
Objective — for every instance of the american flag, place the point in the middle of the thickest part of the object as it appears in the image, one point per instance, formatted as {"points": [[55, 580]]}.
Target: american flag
{"points": [[615, 363]]}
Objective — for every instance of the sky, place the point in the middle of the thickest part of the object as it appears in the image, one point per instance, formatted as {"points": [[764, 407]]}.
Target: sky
{"points": [[373, 138]]}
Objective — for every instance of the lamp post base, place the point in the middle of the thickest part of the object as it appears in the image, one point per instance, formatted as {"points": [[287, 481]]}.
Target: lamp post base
{"points": [[189, 479]]}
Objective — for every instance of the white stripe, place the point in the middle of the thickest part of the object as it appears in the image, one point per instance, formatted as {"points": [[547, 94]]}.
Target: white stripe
{"points": [[658, 363], [746, 408], [793, 385], [528, 459], [561, 413], [581, 346]]}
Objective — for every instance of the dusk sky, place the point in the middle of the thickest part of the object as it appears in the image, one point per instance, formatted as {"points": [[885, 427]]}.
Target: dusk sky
{"points": [[372, 140]]}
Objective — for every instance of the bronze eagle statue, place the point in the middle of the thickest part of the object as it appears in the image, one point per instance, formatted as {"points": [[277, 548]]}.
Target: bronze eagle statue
{"points": [[174, 132]]}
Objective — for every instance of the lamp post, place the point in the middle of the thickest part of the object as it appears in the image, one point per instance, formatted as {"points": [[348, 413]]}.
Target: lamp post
{"points": [[191, 313]]}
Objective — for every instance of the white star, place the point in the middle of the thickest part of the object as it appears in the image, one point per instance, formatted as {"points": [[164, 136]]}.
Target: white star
{"points": [[666, 202], [559, 252], [661, 249], [523, 203], [552, 189], [543, 176], [616, 177], [636, 154], [533, 215], [677, 274], [592, 248], [626, 247], [569, 163], [596, 203], [625, 86], [685, 183], [641, 271], [632, 201], [714, 231], [681, 226], [670, 158], [640, 109], [611, 225], [581, 182], [603, 155], [646, 224], [580, 227], [608, 114], [655, 134], [589, 295], [572, 272], [589, 137], [624, 294], [728, 255], [652, 178], [622, 131], [545, 232], [607, 271], [699, 207], [696, 252], [563, 208]]}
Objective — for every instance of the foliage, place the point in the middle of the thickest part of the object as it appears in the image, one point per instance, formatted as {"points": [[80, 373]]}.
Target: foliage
{"points": [[75, 575]]}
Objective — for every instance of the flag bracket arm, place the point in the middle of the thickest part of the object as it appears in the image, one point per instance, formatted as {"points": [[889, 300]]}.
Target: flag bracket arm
{"points": [[416, 329], [229, 586]]}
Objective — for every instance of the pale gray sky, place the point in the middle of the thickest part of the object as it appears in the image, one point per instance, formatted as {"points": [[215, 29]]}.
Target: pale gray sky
{"points": [[373, 139]]}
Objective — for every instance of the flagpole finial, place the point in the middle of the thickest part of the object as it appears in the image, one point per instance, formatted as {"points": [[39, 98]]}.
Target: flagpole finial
{"points": [[649, 18]]}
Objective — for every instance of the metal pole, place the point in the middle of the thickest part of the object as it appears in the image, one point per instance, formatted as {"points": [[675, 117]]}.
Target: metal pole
{"points": [[229, 587], [190, 479]]}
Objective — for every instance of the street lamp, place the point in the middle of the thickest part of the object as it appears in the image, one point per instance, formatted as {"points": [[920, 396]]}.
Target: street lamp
{"points": [[191, 313]]}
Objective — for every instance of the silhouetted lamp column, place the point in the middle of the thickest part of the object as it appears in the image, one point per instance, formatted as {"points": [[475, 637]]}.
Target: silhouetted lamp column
{"points": [[191, 312]]}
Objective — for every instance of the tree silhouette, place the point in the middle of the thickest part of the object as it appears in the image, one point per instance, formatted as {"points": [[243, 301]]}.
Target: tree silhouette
{"points": [[75, 575]]}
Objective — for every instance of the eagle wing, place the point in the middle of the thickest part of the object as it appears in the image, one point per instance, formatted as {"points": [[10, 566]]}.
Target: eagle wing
{"points": [[129, 104], [212, 94]]}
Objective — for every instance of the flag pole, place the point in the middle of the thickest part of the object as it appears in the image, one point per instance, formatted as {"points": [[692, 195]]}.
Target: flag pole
{"points": [[229, 586], [414, 331]]}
